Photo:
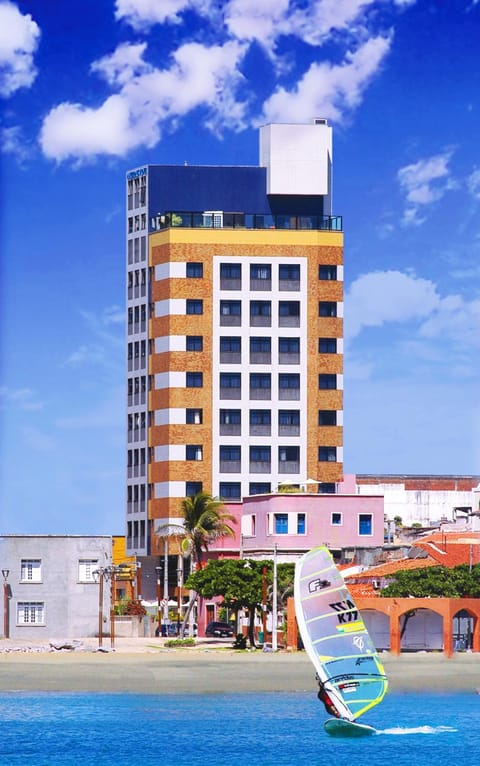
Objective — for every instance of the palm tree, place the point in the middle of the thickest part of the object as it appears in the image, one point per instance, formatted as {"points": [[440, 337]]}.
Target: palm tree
{"points": [[204, 521]]}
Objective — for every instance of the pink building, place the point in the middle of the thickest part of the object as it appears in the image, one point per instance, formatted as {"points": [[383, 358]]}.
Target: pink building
{"points": [[296, 522]]}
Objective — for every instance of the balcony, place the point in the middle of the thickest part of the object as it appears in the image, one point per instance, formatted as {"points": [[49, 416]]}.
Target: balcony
{"points": [[198, 220]]}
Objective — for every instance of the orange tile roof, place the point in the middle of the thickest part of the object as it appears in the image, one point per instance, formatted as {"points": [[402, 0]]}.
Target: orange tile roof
{"points": [[390, 567]]}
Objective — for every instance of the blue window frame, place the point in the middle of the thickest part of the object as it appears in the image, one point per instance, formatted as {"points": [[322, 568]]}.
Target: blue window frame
{"points": [[327, 309], [327, 454], [194, 379], [365, 524], [194, 306], [301, 526], [327, 272], [230, 490], [280, 523], [194, 343], [195, 270], [327, 380], [336, 519], [327, 345]]}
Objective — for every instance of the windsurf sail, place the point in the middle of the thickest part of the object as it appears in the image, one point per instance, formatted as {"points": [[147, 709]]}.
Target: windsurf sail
{"points": [[335, 637]]}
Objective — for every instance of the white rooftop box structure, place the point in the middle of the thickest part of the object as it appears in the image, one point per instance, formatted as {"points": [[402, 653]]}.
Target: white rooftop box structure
{"points": [[298, 158]]}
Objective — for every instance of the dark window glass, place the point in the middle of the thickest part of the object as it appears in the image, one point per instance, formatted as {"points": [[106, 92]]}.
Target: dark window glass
{"points": [[194, 379], [193, 452], [327, 380], [230, 489], [230, 380], [194, 416], [229, 452], [327, 309], [260, 345], [194, 343], [260, 271], [326, 488], [195, 270], [288, 454], [192, 488], [288, 380], [194, 306], [289, 271], [327, 454], [289, 308], [281, 523], [289, 417], [259, 488], [230, 417], [327, 345], [231, 308], [260, 417], [301, 524], [260, 454], [260, 308], [232, 345], [327, 272], [327, 417], [260, 380], [289, 345], [230, 271], [336, 519]]}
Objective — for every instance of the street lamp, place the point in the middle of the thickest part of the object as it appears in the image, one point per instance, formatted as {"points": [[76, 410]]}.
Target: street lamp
{"points": [[158, 570], [6, 624]]}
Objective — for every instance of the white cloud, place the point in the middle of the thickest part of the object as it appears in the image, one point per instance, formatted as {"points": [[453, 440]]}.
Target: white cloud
{"points": [[329, 90], [198, 76], [473, 184], [19, 399], [19, 37], [252, 20], [454, 319], [316, 21], [387, 296], [12, 142], [141, 14], [423, 183]]}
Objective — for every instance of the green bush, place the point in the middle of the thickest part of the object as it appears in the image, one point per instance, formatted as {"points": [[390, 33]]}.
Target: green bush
{"points": [[172, 642]]}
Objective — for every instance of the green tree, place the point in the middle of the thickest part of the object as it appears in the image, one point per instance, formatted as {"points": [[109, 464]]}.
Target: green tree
{"points": [[240, 583], [204, 521], [458, 582]]}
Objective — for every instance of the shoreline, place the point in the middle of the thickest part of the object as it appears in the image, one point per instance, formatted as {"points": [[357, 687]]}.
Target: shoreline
{"points": [[210, 668]]}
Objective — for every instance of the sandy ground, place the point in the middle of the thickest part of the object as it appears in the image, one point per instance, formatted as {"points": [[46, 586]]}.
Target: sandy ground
{"points": [[146, 666]]}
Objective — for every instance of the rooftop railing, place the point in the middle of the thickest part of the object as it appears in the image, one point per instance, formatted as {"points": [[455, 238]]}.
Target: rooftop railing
{"points": [[222, 220]]}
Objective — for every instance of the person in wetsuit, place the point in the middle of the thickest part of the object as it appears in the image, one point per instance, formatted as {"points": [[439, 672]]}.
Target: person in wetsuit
{"points": [[324, 697]]}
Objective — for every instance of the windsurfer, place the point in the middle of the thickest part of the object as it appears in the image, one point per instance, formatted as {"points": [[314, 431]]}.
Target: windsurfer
{"points": [[324, 697]]}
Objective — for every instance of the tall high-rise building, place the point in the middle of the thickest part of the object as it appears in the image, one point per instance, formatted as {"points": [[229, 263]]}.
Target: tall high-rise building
{"points": [[235, 330]]}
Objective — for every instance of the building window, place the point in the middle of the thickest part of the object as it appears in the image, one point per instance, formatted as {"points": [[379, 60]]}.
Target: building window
{"points": [[260, 417], [327, 345], [194, 379], [230, 344], [336, 519], [86, 567], [260, 271], [327, 272], [230, 490], [230, 313], [289, 272], [326, 488], [260, 454], [260, 345], [280, 523], [31, 570], [327, 380], [288, 386], [194, 306], [301, 526], [193, 452], [327, 417], [194, 343], [327, 309], [289, 345], [230, 271], [365, 524], [192, 488], [31, 613], [260, 380], [289, 313], [230, 458], [194, 416], [259, 488], [288, 454], [260, 313], [327, 454], [195, 270], [230, 417]]}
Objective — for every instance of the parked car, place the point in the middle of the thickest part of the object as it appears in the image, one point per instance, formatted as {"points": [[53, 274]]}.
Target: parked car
{"points": [[222, 629]]}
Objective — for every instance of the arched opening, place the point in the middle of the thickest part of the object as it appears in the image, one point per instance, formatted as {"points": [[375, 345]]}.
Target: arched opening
{"points": [[378, 626], [462, 631], [421, 629]]}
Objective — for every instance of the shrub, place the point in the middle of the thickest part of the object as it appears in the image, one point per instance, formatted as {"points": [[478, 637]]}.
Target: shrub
{"points": [[180, 642]]}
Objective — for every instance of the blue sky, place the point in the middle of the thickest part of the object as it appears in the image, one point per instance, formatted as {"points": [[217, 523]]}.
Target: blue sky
{"points": [[91, 88]]}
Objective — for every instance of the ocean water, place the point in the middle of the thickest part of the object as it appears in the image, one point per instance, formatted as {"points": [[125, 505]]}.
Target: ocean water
{"points": [[50, 729]]}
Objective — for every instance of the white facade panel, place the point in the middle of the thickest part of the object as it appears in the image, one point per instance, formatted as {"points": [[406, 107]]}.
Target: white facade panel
{"points": [[172, 416], [169, 489], [167, 452], [169, 380], [172, 306], [170, 343], [172, 270], [298, 158]]}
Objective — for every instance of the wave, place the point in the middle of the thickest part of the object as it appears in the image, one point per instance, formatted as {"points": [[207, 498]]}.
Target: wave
{"points": [[401, 730]]}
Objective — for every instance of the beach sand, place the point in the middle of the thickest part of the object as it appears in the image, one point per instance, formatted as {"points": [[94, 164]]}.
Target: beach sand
{"points": [[146, 666]]}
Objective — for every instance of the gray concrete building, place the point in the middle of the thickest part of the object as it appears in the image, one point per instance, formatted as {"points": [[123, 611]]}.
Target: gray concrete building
{"points": [[50, 586]]}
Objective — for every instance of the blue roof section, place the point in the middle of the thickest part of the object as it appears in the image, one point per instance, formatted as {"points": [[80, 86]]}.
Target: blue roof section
{"points": [[236, 189]]}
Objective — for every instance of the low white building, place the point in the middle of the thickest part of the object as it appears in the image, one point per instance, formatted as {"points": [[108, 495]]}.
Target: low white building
{"points": [[49, 587]]}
